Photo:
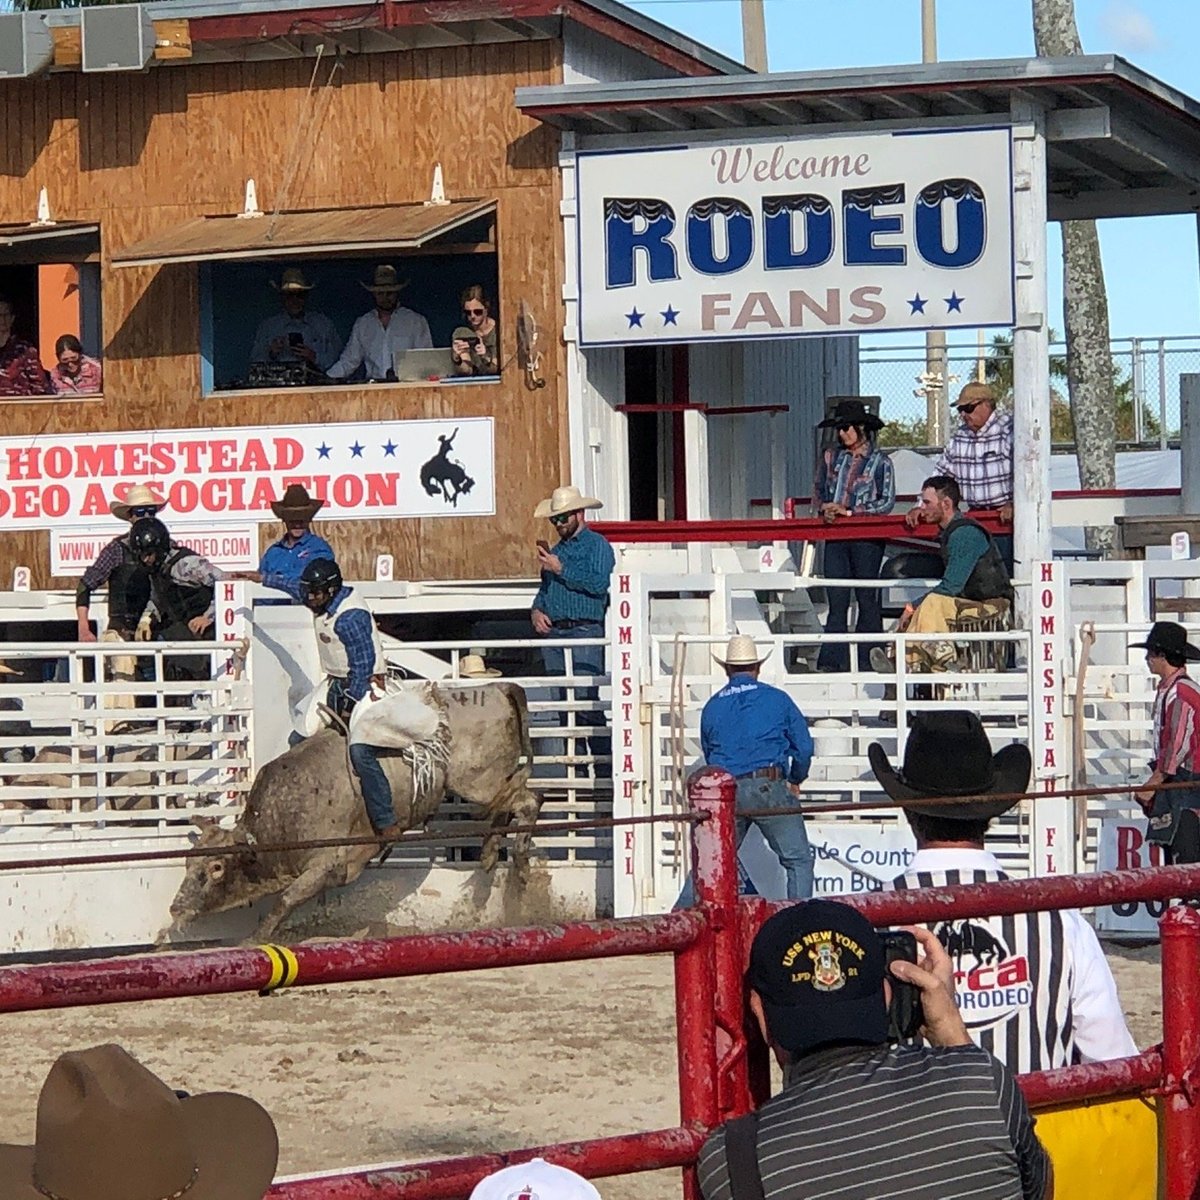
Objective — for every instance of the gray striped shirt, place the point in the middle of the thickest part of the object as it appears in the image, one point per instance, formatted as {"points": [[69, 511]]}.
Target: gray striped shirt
{"points": [[877, 1122]]}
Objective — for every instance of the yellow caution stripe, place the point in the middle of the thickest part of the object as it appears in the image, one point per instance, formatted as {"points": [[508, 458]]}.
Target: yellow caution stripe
{"points": [[284, 968]]}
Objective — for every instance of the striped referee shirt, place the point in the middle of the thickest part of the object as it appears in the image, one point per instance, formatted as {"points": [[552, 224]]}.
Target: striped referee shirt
{"points": [[875, 1122], [1034, 989]]}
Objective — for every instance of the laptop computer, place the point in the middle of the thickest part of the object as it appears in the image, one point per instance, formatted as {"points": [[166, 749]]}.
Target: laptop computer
{"points": [[414, 365]]}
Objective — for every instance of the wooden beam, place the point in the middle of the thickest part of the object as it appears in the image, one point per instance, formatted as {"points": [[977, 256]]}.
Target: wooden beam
{"points": [[68, 45], [173, 38]]}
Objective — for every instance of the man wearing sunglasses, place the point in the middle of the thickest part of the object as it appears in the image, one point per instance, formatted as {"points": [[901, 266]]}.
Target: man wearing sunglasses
{"points": [[980, 458], [572, 601]]}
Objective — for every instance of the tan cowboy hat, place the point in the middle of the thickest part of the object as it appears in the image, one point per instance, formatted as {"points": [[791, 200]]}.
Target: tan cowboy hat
{"points": [[5, 669], [292, 280], [141, 495], [740, 652], [472, 666], [386, 280], [565, 500], [107, 1129], [296, 502]]}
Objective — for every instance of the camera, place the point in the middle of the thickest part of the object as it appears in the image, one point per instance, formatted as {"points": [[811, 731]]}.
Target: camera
{"points": [[905, 1016]]}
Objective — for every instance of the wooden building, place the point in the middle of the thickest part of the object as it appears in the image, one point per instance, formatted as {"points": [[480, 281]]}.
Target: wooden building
{"points": [[120, 191]]}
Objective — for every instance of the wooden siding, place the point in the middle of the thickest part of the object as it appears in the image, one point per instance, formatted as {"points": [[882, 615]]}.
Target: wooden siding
{"points": [[141, 153]]}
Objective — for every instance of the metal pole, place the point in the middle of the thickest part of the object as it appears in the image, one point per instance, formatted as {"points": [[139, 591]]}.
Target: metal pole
{"points": [[1137, 386], [754, 35], [1189, 443], [936, 398], [1180, 933], [929, 31], [1162, 393]]}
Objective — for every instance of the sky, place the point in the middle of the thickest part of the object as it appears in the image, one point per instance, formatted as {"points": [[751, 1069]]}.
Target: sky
{"points": [[1152, 266]]}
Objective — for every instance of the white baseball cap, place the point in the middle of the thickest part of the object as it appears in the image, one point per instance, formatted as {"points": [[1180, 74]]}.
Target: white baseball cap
{"points": [[534, 1180]]}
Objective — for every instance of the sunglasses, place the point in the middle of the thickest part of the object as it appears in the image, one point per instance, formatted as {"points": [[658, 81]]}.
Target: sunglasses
{"points": [[474, 312], [967, 409], [146, 511], [561, 520], [845, 425]]}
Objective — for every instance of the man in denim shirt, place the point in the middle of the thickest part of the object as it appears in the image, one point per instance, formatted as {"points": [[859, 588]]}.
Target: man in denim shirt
{"points": [[757, 734]]}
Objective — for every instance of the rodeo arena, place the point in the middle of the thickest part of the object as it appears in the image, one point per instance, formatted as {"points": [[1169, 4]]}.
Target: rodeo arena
{"points": [[483, 706]]}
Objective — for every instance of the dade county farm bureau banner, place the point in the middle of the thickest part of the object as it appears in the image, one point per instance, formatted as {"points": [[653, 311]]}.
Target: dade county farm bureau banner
{"points": [[228, 477], [846, 234]]}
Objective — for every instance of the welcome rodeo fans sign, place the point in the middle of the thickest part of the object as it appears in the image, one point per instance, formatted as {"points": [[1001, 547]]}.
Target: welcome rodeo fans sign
{"points": [[221, 478], [846, 234]]}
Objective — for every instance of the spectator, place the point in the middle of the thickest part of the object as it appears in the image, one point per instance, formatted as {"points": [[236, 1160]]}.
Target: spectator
{"points": [[473, 347], [974, 579], [377, 335], [980, 458], [757, 734], [75, 373], [1174, 819], [853, 477], [21, 370], [295, 334], [299, 545], [107, 1129], [1060, 1004], [534, 1180], [858, 1117]]}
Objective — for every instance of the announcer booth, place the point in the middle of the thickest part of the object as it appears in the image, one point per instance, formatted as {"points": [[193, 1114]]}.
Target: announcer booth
{"points": [[734, 234]]}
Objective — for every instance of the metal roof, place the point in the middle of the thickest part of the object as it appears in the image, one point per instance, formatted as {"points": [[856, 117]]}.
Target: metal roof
{"points": [[1119, 141], [296, 234]]}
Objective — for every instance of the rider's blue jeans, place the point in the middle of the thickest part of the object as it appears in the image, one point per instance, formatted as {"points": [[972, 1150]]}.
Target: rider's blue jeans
{"points": [[377, 792]]}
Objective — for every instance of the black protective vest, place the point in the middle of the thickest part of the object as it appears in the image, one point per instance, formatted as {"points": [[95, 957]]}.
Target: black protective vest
{"points": [[178, 603], [989, 579]]}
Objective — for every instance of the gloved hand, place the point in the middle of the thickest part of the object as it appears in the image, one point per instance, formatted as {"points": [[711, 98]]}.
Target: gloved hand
{"points": [[142, 632]]}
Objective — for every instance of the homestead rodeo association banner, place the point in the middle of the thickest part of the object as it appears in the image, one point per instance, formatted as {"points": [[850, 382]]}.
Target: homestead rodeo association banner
{"points": [[844, 234], [218, 478]]}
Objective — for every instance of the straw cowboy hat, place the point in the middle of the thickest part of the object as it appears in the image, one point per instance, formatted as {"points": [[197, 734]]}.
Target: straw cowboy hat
{"points": [[742, 652], [107, 1129], [565, 500], [292, 280], [296, 504], [141, 495], [1166, 637], [385, 279], [948, 754], [472, 666]]}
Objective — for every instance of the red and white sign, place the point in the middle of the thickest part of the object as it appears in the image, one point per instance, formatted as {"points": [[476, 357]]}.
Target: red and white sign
{"points": [[230, 547], [368, 470], [631, 844], [1053, 825], [1122, 846]]}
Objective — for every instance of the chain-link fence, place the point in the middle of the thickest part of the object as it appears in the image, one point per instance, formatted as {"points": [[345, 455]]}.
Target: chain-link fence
{"points": [[917, 389]]}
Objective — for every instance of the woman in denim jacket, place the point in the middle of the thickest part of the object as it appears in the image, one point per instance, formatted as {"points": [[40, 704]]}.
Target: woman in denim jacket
{"points": [[852, 477]]}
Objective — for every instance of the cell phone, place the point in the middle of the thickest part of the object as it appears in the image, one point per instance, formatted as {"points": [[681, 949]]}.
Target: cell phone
{"points": [[295, 339], [542, 544], [905, 1015]]}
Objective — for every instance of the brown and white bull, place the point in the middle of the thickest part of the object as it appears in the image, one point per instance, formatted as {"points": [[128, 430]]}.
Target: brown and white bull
{"points": [[308, 794]]}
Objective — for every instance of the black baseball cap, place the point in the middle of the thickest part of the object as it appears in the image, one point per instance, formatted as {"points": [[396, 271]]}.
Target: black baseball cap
{"points": [[819, 969]]}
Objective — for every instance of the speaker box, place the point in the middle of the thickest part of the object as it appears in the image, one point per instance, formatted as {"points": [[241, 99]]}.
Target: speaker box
{"points": [[26, 46], [118, 37]]}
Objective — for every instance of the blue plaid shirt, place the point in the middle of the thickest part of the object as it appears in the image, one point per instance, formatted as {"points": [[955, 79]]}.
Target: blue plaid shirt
{"points": [[580, 592]]}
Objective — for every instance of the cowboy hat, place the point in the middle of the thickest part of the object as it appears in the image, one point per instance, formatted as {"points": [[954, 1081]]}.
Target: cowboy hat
{"points": [[107, 1129], [296, 502], [948, 754], [472, 666], [292, 280], [385, 279], [565, 500], [141, 495], [1168, 638], [741, 652], [850, 410]]}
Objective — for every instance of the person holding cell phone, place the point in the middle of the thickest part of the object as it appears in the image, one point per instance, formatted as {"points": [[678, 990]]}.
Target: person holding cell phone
{"points": [[296, 334], [474, 345]]}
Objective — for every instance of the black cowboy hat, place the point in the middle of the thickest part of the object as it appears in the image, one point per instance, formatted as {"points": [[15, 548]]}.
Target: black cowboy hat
{"points": [[948, 754], [852, 411], [1168, 638]]}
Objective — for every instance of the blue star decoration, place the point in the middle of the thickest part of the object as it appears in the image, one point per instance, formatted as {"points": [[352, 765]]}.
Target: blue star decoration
{"points": [[916, 304], [668, 315], [323, 450], [953, 302], [356, 451], [389, 448], [634, 318]]}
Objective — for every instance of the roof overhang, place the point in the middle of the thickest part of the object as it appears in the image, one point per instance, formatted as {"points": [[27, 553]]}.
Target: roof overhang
{"points": [[48, 241], [397, 227], [1119, 141]]}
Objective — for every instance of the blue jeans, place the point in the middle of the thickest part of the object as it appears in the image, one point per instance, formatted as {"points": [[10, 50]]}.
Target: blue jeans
{"points": [[786, 835], [587, 660], [377, 792], [851, 560]]}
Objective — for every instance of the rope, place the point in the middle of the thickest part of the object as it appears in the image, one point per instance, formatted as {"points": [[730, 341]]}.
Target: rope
{"points": [[1087, 639]]}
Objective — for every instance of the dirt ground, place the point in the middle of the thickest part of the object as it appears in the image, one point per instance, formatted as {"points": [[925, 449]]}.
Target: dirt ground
{"points": [[454, 1064]]}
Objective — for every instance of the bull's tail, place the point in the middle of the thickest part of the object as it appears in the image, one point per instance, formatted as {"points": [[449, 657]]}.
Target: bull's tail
{"points": [[517, 698]]}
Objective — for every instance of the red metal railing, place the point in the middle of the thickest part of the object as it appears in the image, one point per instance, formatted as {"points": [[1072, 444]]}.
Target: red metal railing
{"points": [[722, 1063]]}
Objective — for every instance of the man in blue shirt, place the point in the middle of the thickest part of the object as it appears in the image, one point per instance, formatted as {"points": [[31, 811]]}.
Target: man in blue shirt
{"points": [[572, 601], [299, 545], [757, 734]]}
